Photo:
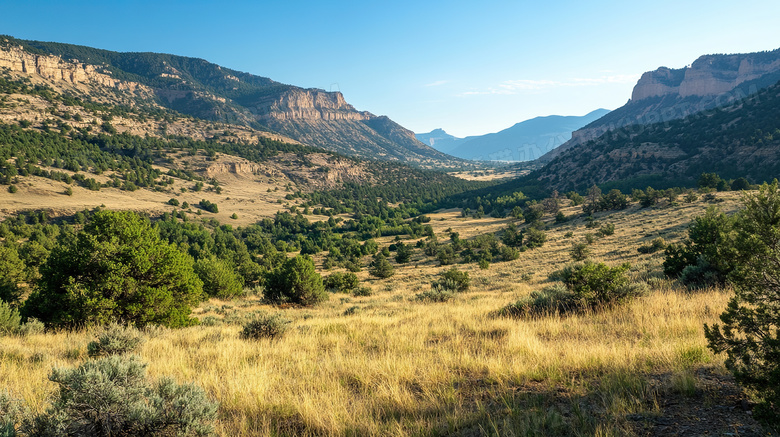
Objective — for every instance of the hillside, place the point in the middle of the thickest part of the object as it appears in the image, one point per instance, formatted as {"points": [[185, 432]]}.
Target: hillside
{"points": [[670, 94], [63, 154], [741, 140], [210, 92]]}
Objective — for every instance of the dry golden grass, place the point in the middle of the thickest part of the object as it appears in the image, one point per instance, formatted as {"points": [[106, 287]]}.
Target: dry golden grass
{"points": [[395, 366]]}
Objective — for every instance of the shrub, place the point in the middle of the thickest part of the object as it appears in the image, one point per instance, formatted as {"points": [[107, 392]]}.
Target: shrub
{"points": [[173, 201], [12, 272], [362, 292], [342, 282], [534, 238], [295, 281], [112, 397], [654, 246], [707, 246], [597, 284], [12, 189], [549, 300], [137, 279], [265, 327], [404, 253], [219, 278], [436, 294], [454, 280], [9, 414], [381, 267], [9, 319], [32, 326], [208, 206], [605, 230], [509, 253], [115, 339], [579, 251], [751, 323]]}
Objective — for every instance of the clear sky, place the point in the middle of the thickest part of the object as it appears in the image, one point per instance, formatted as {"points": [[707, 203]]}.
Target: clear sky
{"points": [[466, 66]]}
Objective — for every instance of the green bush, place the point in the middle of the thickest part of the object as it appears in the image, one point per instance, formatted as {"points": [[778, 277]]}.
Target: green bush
{"points": [[597, 283], [341, 282], [436, 294], [137, 278], [32, 326], [112, 397], [707, 247], [265, 327], [12, 272], [361, 292], [10, 415], [381, 267], [219, 278], [607, 229], [579, 251], [453, 280], [9, 319], [654, 246], [209, 206], [115, 339], [751, 323], [295, 281], [549, 300]]}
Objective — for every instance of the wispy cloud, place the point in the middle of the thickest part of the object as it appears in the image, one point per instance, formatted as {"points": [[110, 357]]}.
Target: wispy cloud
{"points": [[517, 86], [437, 83]]}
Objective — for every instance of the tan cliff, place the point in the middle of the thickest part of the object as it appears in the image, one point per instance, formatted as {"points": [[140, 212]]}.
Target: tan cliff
{"points": [[308, 104], [50, 67], [709, 75]]}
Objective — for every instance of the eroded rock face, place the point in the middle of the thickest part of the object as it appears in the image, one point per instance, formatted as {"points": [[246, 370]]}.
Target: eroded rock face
{"points": [[55, 68], [309, 104], [709, 75]]}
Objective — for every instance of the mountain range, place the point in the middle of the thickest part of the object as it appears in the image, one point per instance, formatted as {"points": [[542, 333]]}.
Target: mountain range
{"points": [[208, 91], [667, 94], [524, 141]]}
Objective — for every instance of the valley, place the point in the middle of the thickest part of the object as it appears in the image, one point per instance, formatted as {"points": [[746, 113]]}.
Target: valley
{"points": [[271, 261]]}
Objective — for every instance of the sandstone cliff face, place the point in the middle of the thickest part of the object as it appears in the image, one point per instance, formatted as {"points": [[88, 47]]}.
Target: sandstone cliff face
{"points": [[709, 75], [308, 104], [55, 68]]}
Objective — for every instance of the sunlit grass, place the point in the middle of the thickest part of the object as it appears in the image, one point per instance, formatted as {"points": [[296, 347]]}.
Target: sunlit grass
{"points": [[398, 366]]}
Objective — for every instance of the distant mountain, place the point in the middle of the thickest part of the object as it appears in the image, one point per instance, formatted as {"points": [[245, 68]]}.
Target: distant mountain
{"points": [[525, 141], [208, 91], [671, 94], [439, 140]]}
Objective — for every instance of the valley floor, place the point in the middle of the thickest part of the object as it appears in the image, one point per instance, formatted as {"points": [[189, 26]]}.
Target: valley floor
{"points": [[387, 364]]}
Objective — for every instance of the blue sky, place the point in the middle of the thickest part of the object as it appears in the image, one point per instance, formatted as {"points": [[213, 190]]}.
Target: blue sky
{"points": [[468, 67]]}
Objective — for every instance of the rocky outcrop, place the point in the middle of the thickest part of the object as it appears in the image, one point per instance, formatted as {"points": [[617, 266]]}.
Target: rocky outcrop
{"points": [[307, 104], [16, 59], [234, 167], [709, 75]]}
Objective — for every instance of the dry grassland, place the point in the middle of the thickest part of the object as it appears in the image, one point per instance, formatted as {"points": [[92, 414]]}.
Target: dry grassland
{"points": [[388, 365]]}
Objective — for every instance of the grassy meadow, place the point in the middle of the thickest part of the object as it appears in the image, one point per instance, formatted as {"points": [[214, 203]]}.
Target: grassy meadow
{"points": [[391, 365]]}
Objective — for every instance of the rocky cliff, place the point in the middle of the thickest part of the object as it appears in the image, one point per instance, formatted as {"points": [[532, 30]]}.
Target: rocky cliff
{"points": [[710, 75], [52, 67], [669, 94], [207, 91], [307, 104]]}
